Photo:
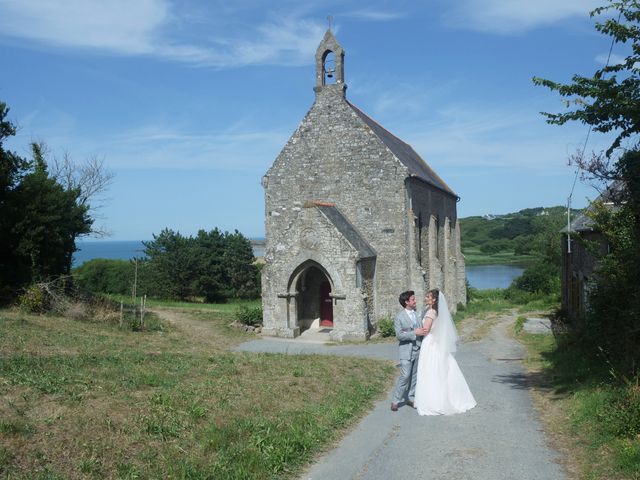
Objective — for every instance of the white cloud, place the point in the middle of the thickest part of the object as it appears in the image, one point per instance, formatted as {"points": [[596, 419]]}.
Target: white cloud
{"points": [[516, 16], [144, 27], [117, 26], [288, 41], [477, 137], [614, 59], [372, 15], [240, 147], [157, 146]]}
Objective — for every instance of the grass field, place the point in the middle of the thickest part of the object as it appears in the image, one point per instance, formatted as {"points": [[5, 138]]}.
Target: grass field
{"points": [[592, 417], [222, 308], [91, 400], [473, 256]]}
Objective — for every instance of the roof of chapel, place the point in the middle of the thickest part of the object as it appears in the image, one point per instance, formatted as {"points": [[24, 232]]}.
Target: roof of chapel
{"points": [[404, 152]]}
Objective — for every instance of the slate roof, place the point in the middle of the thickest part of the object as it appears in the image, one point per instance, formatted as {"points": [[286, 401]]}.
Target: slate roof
{"points": [[347, 230], [404, 152], [582, 223]]}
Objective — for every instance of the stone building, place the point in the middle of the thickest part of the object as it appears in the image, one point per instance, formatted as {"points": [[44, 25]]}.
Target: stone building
{"points": [[579, 259], [354, 216]]}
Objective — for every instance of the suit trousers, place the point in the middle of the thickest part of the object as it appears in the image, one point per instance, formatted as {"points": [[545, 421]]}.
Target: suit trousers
{"points": [[407, 379]]}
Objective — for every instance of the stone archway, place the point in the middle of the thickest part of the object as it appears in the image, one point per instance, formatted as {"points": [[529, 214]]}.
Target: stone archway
{"points": [[314, 304]]}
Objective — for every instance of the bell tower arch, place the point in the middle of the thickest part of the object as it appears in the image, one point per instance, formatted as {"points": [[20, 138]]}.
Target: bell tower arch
{"points": [[330, 64]]}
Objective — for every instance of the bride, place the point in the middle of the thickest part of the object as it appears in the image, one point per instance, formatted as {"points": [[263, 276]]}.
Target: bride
{"points": [[441, 388]]}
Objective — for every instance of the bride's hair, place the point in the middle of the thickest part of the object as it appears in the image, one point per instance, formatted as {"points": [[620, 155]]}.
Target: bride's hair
{"points": [[435, 294]]}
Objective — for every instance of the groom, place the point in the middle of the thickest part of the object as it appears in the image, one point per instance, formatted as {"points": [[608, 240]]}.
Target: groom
{"points": [[409, 332]]}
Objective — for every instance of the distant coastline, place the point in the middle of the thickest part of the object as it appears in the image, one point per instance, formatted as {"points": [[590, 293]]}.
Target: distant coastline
{"points": [[129, 249]]}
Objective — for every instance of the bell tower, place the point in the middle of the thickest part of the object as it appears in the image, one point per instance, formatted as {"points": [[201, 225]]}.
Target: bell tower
{"points": [[330, 65]]}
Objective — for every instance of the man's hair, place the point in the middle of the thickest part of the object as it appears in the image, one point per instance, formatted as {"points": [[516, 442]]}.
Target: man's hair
{"points": [[405, 296]]}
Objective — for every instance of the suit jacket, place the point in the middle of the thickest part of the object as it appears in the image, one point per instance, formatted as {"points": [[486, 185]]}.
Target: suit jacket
{"points": [[409, 347]]}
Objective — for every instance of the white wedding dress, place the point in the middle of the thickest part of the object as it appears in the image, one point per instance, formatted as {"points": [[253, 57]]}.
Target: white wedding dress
{"points": [[441, 388]]}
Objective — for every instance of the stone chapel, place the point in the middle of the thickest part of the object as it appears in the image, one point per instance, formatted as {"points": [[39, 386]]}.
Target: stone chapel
{"points": [[353, 217]]}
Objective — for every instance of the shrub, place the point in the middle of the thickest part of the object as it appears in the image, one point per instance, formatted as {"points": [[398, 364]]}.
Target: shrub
{"points": [[496, 246], [620, 415], [519, 326], [102, 275], [34, 300], [518, 296], [251, 316], [542, 277], [77, 311], [385, 327]]}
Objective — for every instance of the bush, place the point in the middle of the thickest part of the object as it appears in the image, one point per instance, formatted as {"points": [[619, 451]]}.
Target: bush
{"points": [[101, 275], [540, 277], [385, 327], [251, 316], [518, 296], [34, 300], [496, 246], [77, 311], [620, 415]]}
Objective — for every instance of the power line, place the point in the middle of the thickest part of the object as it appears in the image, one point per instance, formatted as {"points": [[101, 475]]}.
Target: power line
{"points": [[584, 148]]}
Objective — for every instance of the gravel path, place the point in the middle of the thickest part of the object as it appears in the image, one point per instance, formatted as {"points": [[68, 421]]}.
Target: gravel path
{"points": [[500, 439]]}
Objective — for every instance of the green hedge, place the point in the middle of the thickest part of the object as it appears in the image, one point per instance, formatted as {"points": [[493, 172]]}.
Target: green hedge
{"points": [[101, 275]]}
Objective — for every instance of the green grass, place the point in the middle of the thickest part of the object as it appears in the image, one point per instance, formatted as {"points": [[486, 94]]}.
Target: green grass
{"points": [[600, 414], [168, 403], [223, 308], [497, 300], [483, 302], [473, 256]]}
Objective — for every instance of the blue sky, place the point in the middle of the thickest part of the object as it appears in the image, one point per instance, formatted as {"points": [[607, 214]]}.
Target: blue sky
{"points": [[189, 102]]}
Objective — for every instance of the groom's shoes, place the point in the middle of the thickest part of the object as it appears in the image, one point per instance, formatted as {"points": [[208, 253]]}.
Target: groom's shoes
{"points": [[394, 407], [410, 403]]}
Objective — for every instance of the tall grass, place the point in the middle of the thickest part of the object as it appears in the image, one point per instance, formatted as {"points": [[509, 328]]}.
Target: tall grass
{"points": [[223, 308], [602, 408], [483, 302], [473, 256], [92, 400]]}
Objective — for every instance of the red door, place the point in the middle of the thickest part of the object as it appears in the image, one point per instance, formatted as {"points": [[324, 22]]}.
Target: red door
{"points": [[326, 305]]}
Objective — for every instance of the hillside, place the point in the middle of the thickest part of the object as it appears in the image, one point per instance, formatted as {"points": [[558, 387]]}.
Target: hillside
{"points": [[512, 238]]}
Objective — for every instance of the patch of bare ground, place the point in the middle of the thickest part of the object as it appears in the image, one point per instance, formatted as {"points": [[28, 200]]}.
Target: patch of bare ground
{"points": [[474, 329], [196, 327]]}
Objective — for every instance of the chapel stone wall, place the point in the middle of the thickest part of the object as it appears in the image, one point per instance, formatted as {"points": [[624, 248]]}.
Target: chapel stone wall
{"points": [[334, 157]]}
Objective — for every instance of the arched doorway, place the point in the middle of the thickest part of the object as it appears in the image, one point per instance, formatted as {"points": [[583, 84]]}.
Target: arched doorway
{"points": [[314, 301]]}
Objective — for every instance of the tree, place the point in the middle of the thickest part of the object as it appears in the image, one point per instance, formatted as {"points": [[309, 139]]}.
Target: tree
{"points": [[213, 280], [240, 267], [12, 168], [40, 217], [90, 178], [47, 218], [613, 320], [609, 101], [212, 265], [171, 268]]}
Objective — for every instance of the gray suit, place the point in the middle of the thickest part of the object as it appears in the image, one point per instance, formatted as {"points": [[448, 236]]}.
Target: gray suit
{"points": [[409, 350]]}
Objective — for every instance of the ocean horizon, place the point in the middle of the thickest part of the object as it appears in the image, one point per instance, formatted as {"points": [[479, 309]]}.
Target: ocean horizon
{"points": [[128, 249], [480, 276]]}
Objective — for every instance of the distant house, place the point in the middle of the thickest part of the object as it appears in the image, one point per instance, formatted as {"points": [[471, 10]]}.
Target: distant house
{"points": [[353, 216], [579, 262]]}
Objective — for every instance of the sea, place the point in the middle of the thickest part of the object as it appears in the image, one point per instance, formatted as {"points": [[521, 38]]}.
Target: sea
{"points": [[129, 249], [481, 277]]}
